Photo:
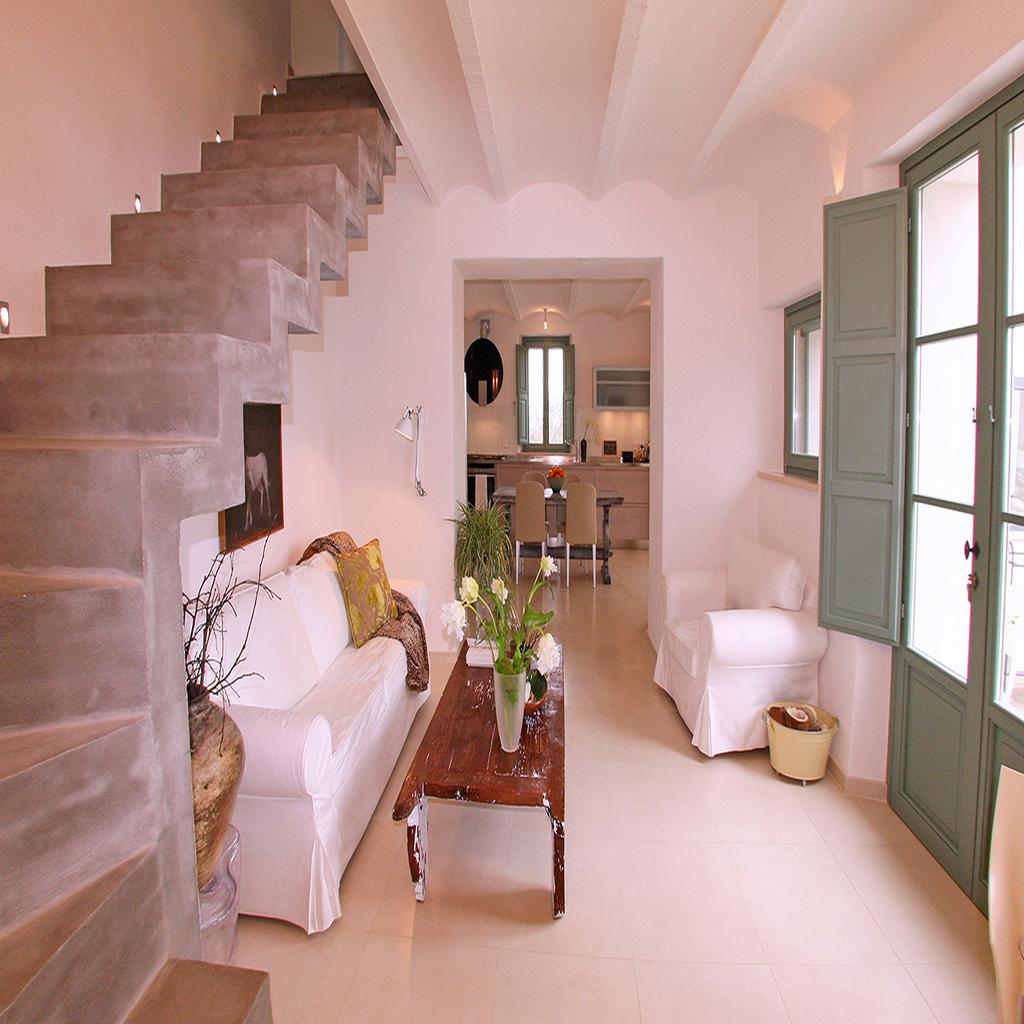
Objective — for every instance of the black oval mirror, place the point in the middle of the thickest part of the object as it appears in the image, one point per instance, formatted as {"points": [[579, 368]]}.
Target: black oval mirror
{"points": [[484, 371]]}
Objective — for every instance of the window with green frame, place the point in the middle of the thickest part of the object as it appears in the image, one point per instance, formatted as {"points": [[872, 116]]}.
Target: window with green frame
{"points": [[545, 407], [803, 341]]}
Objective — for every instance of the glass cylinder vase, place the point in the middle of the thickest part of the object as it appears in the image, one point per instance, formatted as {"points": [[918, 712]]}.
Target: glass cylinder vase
{"points": [[509, 699]]}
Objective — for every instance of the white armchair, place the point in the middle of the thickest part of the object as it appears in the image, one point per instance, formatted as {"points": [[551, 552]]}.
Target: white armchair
{"points": [[734, 640]]}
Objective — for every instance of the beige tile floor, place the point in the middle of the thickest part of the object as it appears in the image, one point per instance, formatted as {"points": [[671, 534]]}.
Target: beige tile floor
{"points": [[698, 891]]}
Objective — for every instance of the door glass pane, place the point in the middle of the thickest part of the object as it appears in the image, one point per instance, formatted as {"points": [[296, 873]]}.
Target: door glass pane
{"points": [[806, 391], [1015, 440], [1017, 221], [946, 385], [1011, 647], [556, 393], [535, 394], [940, 612], [948, 250]]}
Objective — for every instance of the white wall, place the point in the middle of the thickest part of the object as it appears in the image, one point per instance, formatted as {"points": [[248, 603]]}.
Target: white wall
{"points": [[402, 341], [960, 58], [600, 340], [99, 100]]}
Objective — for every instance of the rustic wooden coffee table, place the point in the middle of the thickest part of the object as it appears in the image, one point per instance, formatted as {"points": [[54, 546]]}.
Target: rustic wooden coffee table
{"points": [[460, 758]]}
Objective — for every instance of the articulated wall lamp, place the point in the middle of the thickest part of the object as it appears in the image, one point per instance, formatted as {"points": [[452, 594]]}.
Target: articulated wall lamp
{"points": [[409, 427]]}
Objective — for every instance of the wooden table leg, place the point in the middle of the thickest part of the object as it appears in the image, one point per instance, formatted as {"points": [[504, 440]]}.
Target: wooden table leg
{"points": [[606, 574], [558, 866], [416, 839]]}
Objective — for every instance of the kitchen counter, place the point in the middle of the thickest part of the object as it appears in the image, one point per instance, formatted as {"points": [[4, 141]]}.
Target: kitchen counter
{"points": [[561, 460]]}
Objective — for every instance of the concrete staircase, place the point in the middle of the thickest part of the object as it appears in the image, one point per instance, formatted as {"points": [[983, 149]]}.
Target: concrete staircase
{"points": [[123, 420]]}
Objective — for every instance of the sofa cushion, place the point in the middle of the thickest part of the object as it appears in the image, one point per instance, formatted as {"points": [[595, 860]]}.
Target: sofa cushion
{"points": [[354, 693], [317, 592], [681, 638], [277, 654], [368, 596], [760, 577]]}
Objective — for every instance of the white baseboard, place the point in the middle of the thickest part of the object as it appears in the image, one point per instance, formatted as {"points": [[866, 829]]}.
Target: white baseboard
{"points": [[855, 785]]}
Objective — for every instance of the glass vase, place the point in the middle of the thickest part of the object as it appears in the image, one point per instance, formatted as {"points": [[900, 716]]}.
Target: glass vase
{"points": [[509, 700]]}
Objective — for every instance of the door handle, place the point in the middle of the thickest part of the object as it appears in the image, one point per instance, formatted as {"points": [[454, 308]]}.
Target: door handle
{"points": [[972, 584], [971, 549]]}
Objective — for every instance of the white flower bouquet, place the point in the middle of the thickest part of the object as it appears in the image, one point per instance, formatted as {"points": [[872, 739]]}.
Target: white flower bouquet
{"points": [[518, 638]]}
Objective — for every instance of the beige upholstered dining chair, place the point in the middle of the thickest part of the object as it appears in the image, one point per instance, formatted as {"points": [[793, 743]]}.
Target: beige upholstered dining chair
{"points": [[581, 524], [573, 478], [530, 526], [1006, 895], [536, 476]]}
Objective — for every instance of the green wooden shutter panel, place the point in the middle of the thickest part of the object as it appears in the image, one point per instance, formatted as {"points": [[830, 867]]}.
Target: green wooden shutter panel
{"points": [[569, 395], [522, 400], [865, 323]]}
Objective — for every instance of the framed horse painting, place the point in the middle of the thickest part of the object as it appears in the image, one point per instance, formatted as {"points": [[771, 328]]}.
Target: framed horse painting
{"points": [[262, 511]]}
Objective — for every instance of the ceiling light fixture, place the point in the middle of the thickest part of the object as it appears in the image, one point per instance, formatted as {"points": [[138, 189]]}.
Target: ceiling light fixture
{"points": [[545, 318], [138, 203], [410, 430], [5, 318]]}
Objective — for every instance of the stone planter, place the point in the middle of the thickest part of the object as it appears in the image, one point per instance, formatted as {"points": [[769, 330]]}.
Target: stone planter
{"points": [[218, 756]]}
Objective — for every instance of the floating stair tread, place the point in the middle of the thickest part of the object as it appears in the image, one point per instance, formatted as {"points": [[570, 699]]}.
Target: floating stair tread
{"points": [[191, 990], [27, 948], [22, 749], [16, 583]]}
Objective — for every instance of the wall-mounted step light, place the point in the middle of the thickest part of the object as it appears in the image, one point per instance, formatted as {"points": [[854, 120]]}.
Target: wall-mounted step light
{"points": [[138, 203], [5, 318], [217, 138], [273, 90]]}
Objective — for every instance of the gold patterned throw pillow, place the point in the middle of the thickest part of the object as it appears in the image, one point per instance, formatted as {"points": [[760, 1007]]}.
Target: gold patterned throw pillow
{"points": [[368, 596]]}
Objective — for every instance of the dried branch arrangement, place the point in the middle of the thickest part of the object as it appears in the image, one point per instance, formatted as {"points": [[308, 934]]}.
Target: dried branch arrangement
{"points": [[203, 617]]}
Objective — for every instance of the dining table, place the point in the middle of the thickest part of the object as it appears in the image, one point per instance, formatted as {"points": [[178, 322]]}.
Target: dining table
{"points": [[606, 501]]}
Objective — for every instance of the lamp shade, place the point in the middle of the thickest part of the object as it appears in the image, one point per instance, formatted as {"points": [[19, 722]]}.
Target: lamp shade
{"points": [[404, 426]]}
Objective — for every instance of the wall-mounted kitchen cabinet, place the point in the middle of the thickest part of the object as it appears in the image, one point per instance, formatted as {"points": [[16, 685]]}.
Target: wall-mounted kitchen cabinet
{"points": [[622, 387]]}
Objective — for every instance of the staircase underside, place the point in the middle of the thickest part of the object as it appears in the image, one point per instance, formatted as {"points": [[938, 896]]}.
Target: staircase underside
{"points": [[125, 418]]}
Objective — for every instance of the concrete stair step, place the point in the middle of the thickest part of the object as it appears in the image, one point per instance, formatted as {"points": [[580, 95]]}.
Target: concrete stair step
{"points": [[320, 186], [88, 955], [247, 299], [324, 92], [364, 169], [293, 235], [191, 990], [68, 643], [70, 507], [155, 386], [61, 786], [354, 84], [366, 122]]}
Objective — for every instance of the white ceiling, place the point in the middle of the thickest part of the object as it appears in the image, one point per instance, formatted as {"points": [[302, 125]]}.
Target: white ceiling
{"points": [[568, 297], [595, 93]]}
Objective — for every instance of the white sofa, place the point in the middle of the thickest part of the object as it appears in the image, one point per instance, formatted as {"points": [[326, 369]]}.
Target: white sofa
{"points": [[323, 723], [737, 639]]}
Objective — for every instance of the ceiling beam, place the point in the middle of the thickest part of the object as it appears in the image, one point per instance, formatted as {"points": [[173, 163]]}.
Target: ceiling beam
{"points": [[635, 296], [622, 71], [574, 296], [747, 86], [461, 17], [513, 300]]}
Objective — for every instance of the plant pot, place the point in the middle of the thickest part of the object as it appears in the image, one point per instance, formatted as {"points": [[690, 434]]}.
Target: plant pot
{"points": [[218, 756], [509, 702], [532, 705], [555, 483]]}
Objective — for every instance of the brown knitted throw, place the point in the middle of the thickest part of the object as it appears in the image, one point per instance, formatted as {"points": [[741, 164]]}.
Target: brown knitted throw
{"points": [[407, 628]]}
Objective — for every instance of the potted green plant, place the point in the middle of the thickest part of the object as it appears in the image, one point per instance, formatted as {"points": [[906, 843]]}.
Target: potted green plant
{"points": [[218, 753], [519, 639], [483, 547]]}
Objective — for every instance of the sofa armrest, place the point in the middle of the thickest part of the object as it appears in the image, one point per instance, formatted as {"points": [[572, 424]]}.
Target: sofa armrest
{"points": [[687, 594], [287, 753], [761, 637], [416, 591]]}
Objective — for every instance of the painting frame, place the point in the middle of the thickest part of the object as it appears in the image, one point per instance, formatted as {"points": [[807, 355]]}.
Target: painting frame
{"points": [[261, 512]]}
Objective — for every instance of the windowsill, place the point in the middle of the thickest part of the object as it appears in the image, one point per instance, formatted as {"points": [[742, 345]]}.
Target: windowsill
{"points": [[802, 483]]}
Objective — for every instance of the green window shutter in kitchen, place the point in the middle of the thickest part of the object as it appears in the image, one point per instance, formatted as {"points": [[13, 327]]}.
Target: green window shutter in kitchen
{"points": [[569, 395], [522, 400], [864, 389]]}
